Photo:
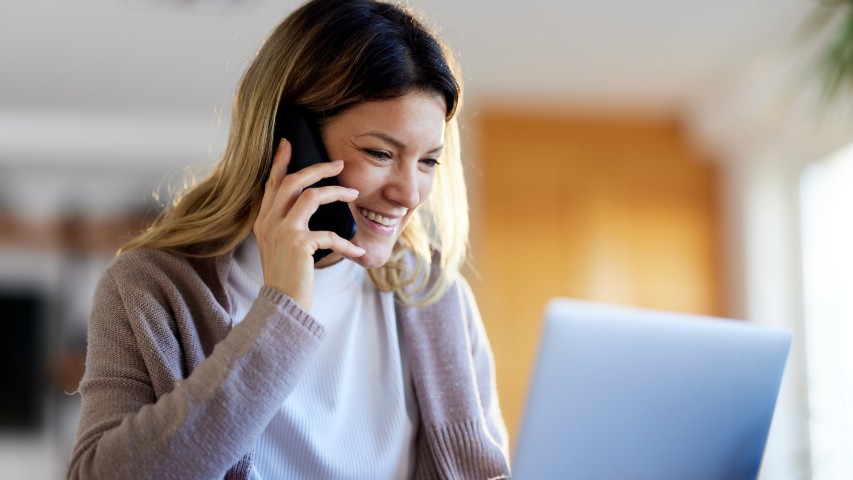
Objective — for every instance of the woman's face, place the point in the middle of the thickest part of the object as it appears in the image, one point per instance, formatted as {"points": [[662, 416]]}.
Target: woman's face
{"points": [[390, 150]]}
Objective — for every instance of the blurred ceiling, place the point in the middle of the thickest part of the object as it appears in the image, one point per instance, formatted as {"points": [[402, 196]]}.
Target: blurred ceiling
{"points": [[145, 85], [187, 55]]}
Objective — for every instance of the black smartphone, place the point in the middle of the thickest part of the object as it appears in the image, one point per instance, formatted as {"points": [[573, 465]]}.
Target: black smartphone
{"points": [[299, 126]]}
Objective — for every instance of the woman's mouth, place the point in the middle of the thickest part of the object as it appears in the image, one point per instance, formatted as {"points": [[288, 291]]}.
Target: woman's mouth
{"points": [[377, 218]]}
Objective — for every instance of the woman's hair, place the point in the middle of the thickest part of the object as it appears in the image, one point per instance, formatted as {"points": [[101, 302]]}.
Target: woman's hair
{"points": [[327, 56]]}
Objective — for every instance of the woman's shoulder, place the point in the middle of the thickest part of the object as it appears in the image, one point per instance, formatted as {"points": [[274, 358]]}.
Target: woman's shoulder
{"points": [[141, 261], [146, 267]]}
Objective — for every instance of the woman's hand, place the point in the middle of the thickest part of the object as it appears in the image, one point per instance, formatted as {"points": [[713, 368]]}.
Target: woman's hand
{"points": [[286, 244]]}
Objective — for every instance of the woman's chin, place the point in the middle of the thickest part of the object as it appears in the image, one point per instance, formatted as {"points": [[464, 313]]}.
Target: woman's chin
{"points": [[373, 259]]}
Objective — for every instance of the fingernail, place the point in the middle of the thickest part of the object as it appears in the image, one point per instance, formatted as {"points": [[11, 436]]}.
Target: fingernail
{"points": [[353, 190], [360, 250], [282, 142], [337, 162]]}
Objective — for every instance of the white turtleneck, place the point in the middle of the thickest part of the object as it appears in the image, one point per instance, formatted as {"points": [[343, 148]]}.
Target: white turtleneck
{"points": [[352, 415]]}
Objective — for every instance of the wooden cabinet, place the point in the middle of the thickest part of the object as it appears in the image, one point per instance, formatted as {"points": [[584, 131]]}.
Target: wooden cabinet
{"points": [[619, 210]]}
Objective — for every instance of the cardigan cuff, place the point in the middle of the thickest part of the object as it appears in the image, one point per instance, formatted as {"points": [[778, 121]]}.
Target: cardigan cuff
{"points": [[290, 307]]}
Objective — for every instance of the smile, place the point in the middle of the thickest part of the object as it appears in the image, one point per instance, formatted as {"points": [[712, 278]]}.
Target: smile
{"points": [[375, 217]]}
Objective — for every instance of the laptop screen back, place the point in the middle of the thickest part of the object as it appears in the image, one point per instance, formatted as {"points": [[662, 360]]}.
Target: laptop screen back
{"points": [[628, 393]]}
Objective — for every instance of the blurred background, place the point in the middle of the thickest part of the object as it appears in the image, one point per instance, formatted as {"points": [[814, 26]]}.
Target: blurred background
{"points": [[672, 154]]}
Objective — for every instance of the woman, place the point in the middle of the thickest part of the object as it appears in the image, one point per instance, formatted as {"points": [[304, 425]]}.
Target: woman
{"points": [[218, 348]]}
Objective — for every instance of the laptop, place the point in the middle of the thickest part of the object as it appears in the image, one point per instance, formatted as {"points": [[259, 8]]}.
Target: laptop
{"points": [[626, 393]]}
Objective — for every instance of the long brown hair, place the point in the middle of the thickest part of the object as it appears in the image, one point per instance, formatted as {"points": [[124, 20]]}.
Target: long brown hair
{"points": [[327, 56]]}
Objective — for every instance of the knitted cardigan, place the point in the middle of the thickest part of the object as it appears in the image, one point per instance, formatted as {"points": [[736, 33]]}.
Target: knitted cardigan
{"points": [[173, 389]]}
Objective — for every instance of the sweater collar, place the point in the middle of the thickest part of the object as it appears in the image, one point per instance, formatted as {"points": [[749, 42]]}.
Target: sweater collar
{"points": [[214, 273]]}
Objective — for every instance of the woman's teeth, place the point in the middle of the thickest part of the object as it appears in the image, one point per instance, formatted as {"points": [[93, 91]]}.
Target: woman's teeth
{"points": [[378, 218]]}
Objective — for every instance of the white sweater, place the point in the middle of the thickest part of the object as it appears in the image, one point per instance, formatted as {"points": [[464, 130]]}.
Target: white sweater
{"points": [[353, 414]]}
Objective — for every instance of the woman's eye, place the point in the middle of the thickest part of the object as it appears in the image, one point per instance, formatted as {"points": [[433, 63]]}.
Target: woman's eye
{"points": [[430, 162], [378, 154]]}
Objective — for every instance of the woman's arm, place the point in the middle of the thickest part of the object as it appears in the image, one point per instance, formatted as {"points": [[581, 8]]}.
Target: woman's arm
{"points": [[210, 419], [484, 367]]}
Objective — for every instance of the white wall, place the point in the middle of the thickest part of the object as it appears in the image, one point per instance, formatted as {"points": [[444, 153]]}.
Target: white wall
{"points": [[765, 126]]}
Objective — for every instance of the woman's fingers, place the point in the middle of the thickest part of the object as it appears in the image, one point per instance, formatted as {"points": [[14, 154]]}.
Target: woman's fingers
{"points": [[282, 189], [276, 177], [280, 161], [295, 183], [310, 175], [332, 241], [310, 200]]}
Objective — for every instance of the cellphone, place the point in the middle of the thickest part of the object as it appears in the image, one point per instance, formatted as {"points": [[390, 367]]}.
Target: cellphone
{"points": [[300, 127]]}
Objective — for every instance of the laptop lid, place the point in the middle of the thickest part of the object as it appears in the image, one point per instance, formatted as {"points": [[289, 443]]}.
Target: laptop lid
{"points": [[624, 393]]}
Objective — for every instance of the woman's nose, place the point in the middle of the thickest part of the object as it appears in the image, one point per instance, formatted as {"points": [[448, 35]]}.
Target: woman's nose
{"points": [[403, 188]]}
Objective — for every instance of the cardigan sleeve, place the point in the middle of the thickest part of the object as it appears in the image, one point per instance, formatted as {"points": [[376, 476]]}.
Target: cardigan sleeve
{"points": [[211, 418], [484, 368]]}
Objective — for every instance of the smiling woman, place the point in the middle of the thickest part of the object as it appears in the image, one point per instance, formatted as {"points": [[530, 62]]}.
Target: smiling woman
{"points": [[217, 347]]}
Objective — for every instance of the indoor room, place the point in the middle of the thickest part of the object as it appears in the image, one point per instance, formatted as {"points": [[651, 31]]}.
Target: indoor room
{"points": [[678, 156]]}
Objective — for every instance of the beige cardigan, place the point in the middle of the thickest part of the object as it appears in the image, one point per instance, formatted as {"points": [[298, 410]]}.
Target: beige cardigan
{"points": [[173, 389]]}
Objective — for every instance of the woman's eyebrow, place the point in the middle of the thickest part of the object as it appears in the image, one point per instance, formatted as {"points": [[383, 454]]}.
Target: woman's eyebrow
{"points": [[394, 142]]}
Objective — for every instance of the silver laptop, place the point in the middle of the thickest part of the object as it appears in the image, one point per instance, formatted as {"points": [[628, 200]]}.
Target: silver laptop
{"points": [[624, 393]]}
